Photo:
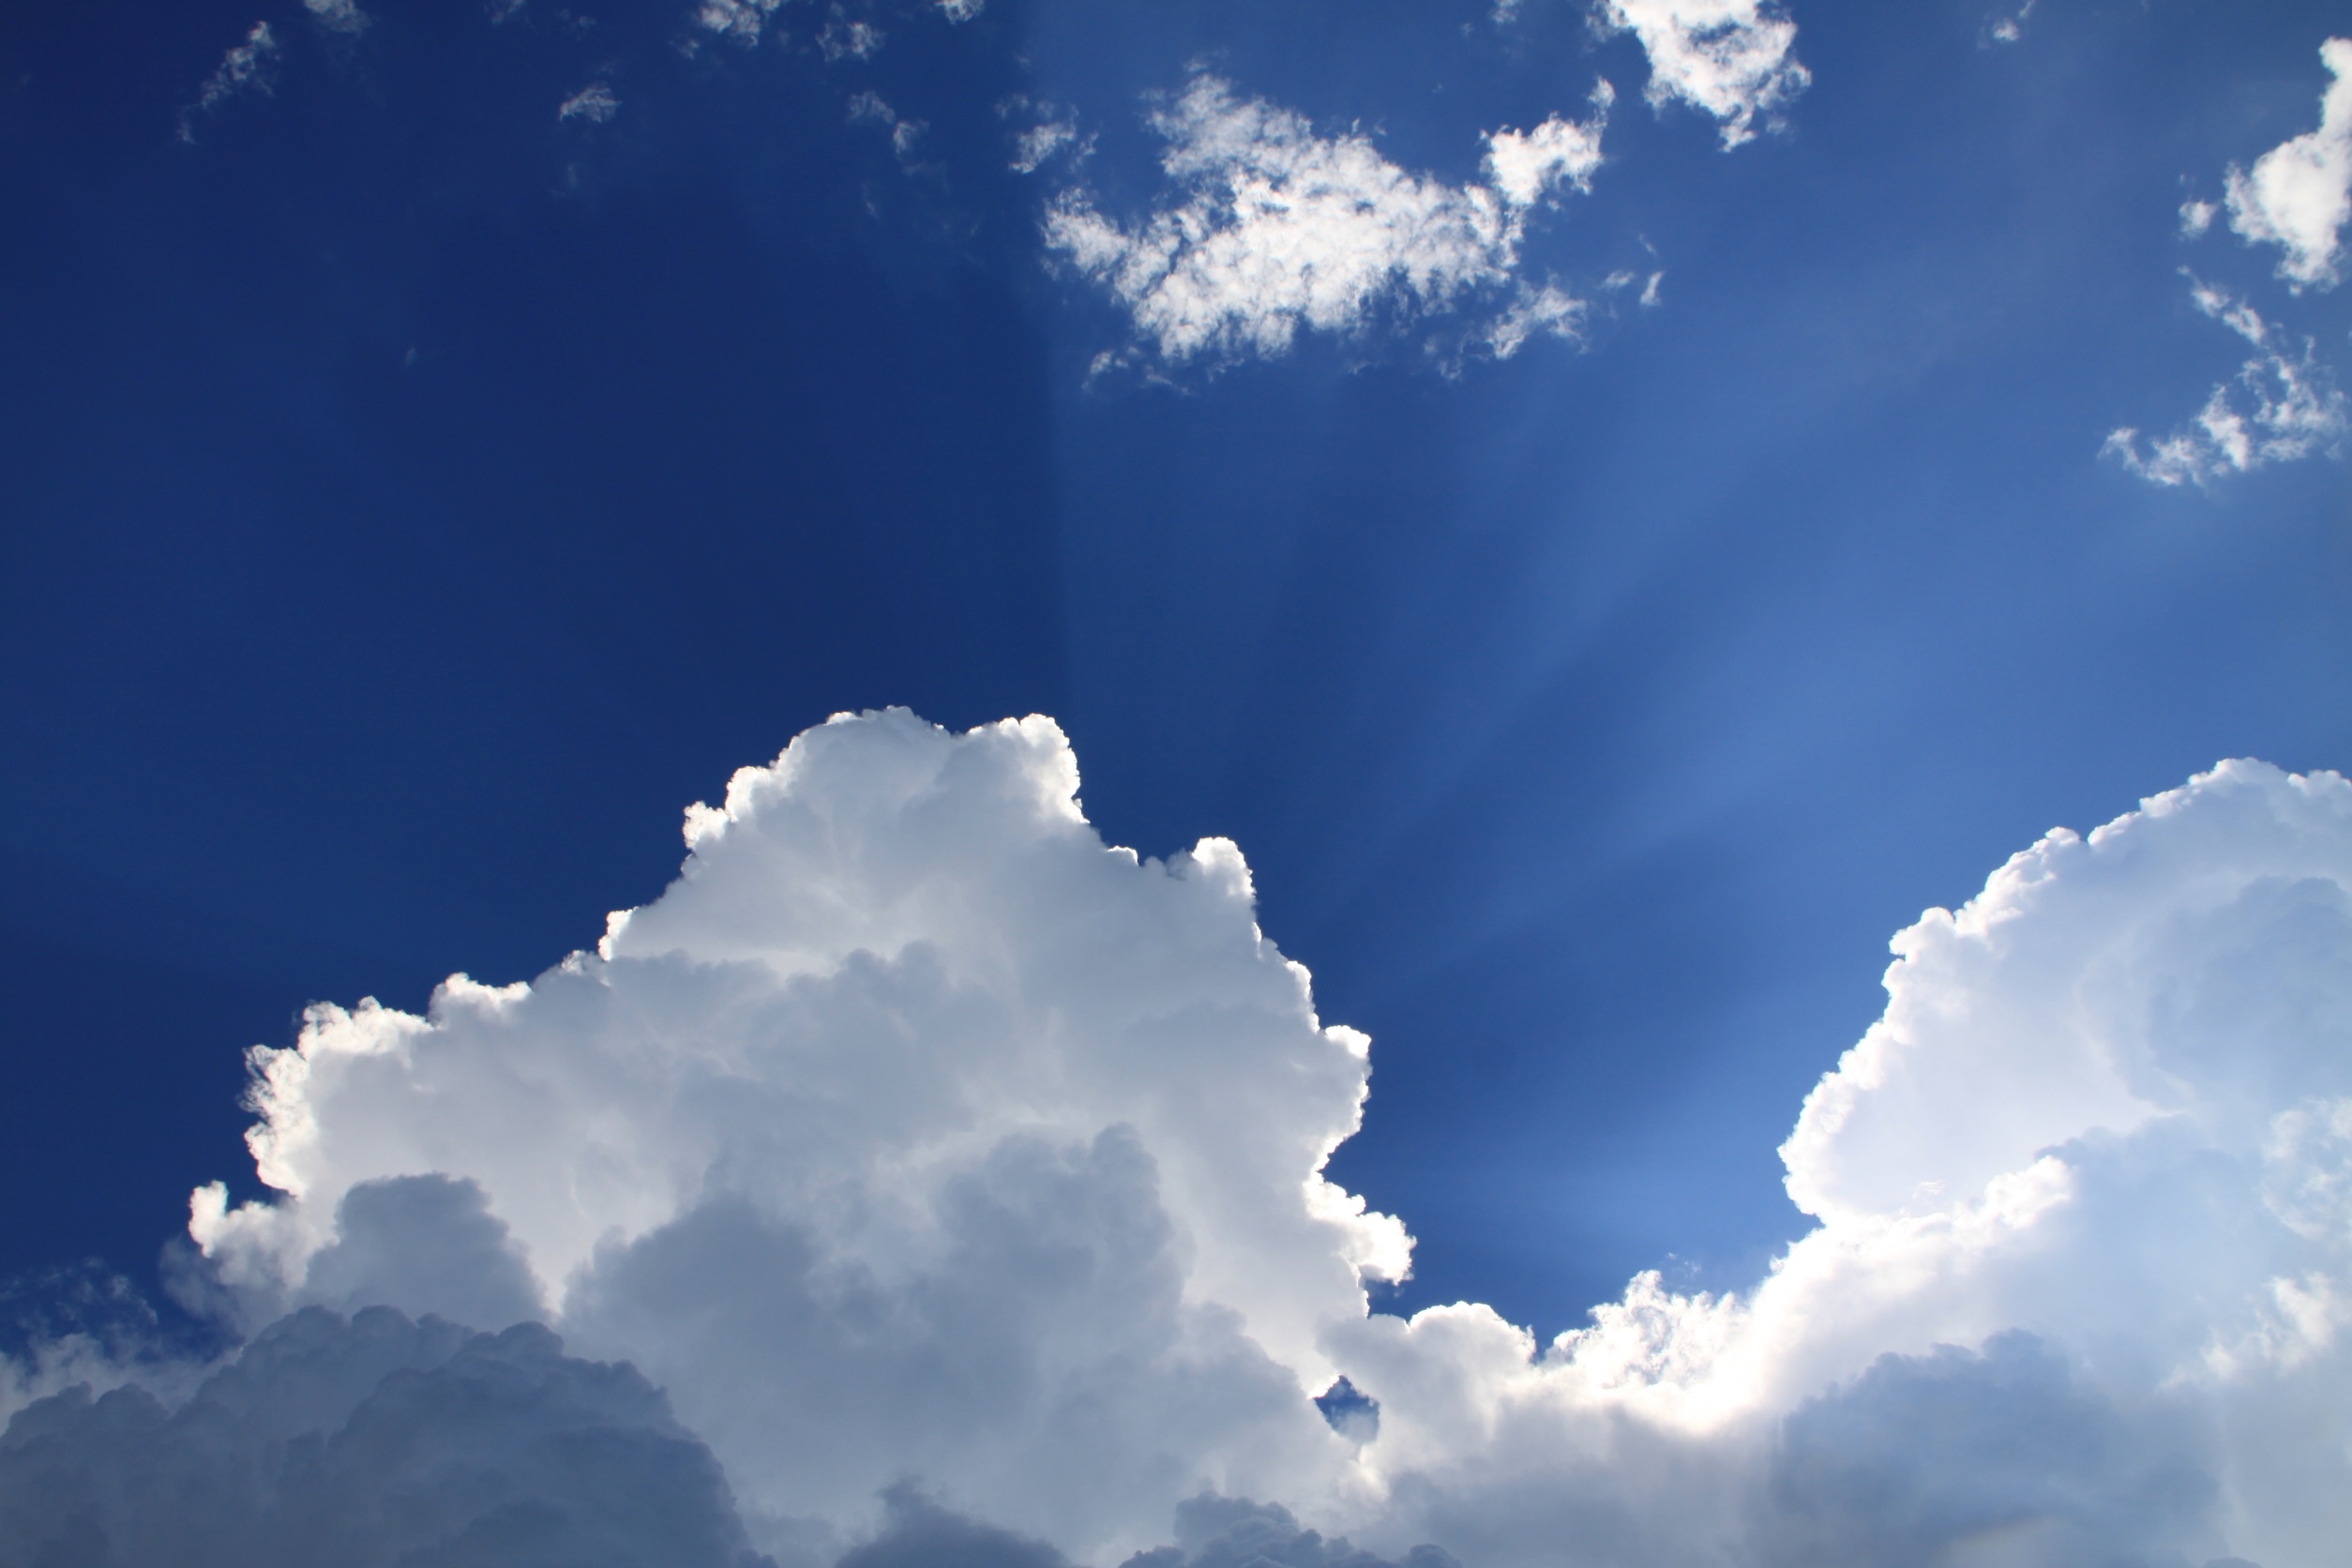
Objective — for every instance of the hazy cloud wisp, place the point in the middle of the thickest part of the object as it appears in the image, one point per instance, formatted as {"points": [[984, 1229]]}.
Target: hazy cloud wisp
{"points": [[2282, 405]]}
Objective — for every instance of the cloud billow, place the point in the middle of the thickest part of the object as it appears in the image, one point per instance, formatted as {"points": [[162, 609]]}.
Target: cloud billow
{"points": [[958, 1178]]}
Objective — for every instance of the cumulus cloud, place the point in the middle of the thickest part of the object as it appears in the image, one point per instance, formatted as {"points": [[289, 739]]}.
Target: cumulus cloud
{"points": [[2282, 405], [2299, 194], [959, 1178], [245, 68], [1274, 227], [2069, 1124], [1729, 59], [373, 1440]]}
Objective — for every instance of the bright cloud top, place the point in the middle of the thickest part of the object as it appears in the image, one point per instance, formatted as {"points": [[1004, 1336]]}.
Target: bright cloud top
{"points": [[1730, 59], [2299, 194], [1274, 227], [2282, 405], [914, 1132]]}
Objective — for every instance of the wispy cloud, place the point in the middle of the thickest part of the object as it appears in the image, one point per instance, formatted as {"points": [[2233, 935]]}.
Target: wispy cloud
{"points": [[340, 16], [915, 1130], [2008, 26], [1050, 132], [739, 20], [842, 38], [1273, 227], [2282, 405], [246, 68], [596, 103]]}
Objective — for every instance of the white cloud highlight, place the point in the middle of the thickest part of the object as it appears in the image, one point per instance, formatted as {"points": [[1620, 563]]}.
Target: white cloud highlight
{"points": [[1729, 59], [341, 17], [913, 1131], [596, 103], [2283, 405], [2300, 193], [1275, 227], [245, 68], [2010, 26]]}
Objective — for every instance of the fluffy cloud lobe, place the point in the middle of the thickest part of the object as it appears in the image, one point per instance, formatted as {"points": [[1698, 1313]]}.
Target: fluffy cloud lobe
{"points": [[958, 1177], [2299, 194], [1273, 227]]}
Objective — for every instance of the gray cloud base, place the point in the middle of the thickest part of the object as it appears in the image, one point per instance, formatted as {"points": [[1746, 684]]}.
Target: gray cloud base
{"points": [[370, 1441]]}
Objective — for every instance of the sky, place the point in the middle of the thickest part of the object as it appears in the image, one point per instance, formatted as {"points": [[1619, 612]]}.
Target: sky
{"points": [[1538, 536]]}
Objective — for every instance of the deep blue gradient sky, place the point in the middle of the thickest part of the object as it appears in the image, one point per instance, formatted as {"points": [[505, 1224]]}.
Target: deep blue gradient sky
{"points": [[411, 501]]}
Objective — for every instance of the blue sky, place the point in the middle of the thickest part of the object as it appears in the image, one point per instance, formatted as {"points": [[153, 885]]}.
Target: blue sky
{"points": [[441, 442]]}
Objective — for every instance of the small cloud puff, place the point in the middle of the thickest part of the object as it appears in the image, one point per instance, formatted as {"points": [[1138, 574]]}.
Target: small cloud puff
{"points": [[1275, 227], [869, 108], [739, 20], [1729, 59], [842, 38], [2299, 194]]}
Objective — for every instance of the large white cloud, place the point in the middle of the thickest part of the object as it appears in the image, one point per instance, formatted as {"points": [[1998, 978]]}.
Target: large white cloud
{"points": [[2103, 1110], [913, 1130], [915, 1136], [1274, 227], [2299, 194]]}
